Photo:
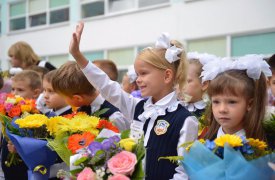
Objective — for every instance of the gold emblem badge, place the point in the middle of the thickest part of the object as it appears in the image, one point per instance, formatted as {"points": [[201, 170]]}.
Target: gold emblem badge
{"points": [[161, 127]]}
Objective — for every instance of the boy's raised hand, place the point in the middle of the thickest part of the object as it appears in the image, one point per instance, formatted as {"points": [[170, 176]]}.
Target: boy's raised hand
{"points": [[75, 41], [74, 46]]}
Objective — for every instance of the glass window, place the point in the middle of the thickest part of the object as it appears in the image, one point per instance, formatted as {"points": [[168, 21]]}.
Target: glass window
{"points": [[145, 3], [17, 9], [59, 16], [37, 6], [17, 24], [38, 19], [253, 44], [58, 3], [122, 56], [94, 55], [120, 5], [92, 9], [58, 60], [216, 46]]}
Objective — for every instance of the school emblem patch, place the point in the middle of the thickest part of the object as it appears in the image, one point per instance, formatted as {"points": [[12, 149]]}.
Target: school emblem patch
{"points": [[161, 127]]}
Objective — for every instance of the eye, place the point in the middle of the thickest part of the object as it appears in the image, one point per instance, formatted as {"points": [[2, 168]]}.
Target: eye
{"points": [[232, 102], [215, 102]]}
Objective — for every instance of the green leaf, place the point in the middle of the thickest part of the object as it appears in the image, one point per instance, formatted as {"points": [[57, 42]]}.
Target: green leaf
{"points": [[76, 171], [100, 112], [80, 161], [125, 134], [139, 172], [98, 157]]}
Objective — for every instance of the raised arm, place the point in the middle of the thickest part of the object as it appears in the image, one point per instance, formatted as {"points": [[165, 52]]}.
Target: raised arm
{"points": [[74, 46]]}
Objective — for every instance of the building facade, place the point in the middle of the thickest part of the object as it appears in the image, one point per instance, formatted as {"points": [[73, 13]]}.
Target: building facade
{"points": [[118, 29]]}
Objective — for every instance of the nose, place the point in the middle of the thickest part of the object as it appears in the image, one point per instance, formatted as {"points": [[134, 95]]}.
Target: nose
{"points": [[138, 80], [222, 108]]}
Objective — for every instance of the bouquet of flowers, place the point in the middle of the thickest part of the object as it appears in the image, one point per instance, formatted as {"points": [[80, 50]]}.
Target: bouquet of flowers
{"points": [[31, 145], [228, 157], [74, 132], [12, 107], [113, 157]]}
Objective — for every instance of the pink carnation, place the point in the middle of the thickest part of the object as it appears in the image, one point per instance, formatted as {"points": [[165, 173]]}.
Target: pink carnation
{"points": [[118, 177], [86, 174], [122, 163]]}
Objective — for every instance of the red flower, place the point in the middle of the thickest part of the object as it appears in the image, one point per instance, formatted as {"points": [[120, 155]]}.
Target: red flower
{"points": [[108, 125], [2, 109], [78, 141], [15, 111]]}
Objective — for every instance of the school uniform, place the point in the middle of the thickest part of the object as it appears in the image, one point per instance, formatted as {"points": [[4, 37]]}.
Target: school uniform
{"points": [[166, 124], [112, 113], [196, 108], [46, 65]]}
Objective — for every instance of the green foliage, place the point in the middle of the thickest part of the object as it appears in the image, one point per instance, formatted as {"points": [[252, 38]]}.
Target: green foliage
{"points": [[100, 112]]}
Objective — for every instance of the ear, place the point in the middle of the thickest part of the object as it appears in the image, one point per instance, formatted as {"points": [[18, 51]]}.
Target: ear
{"points": [[168, 76], [205, 86], [37, 92], [249, 105], [78, 99]]}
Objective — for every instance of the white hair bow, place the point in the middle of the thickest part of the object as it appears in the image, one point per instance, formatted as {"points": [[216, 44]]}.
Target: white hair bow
{"points": [[172, 52], [204, 58], [254, 65], [132, 74]]}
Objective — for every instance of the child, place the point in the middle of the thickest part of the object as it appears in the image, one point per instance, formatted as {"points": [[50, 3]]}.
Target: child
{"points": [[71, 83], [238, 97], [109, 67], [271, 81], [195, 88], [165, 122], [27, 84], [129, 84], [52, 99], [23, 56]]}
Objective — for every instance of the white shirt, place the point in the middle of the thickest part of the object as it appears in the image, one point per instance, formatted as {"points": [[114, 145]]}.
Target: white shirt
{"points": [[239, 133], [112, 92]]}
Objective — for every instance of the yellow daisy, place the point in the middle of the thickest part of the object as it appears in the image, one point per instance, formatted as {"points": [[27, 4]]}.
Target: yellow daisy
{"points": [[257, 143], [32, 121]]}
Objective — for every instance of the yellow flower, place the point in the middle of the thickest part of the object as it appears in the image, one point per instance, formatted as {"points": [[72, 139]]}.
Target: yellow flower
{"points": [[18, 99], [32, 121], [54, 124], [231, 140], [128, 144], [261, 145], [202, 141], [10, 100], [26, 108]]}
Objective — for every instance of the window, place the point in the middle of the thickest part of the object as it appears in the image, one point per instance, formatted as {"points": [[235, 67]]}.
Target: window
{"points": [[122, 57], [0, 20], [58, 60], [145, 3], [33, 13], [94, 55], [216, 46], [253, 44], [92, 9]]}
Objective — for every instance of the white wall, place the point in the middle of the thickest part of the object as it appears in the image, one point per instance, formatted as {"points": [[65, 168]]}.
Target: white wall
{"points": [[192, 20]]}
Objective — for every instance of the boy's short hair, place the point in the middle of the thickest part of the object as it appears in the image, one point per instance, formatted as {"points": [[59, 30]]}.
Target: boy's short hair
{"points": [[69, 80], [34, 77], [109, 67], [49, 76]]}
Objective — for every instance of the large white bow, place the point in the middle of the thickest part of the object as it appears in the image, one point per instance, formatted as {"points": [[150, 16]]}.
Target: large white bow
{"points": [[172, 52]]}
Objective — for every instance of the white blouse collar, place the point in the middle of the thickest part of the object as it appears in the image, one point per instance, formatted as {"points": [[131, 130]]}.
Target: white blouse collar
{"points": [[60, 111], [192, 107], [239, 133], [152, 111], [98, 101]]}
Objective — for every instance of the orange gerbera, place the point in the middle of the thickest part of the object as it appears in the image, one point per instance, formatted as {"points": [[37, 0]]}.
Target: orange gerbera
{"points": [[2, 109], [78, 141], [108, 125]]}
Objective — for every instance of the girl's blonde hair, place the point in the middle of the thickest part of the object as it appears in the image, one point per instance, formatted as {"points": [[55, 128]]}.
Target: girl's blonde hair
{"points": [[237, 83], [24, 53], [156, 57]]}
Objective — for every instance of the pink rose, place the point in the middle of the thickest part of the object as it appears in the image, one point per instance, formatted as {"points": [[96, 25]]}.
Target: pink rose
{"points": [[118, 177], [86, 174], [122, 163]]}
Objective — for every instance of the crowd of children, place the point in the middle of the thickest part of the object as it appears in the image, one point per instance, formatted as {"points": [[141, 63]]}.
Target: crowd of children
{"points": [[162, 95]]}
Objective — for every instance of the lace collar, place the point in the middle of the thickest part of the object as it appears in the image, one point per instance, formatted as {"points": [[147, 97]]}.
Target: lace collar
{"points": [[169, 103], [192, 107], [239, 133]]}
